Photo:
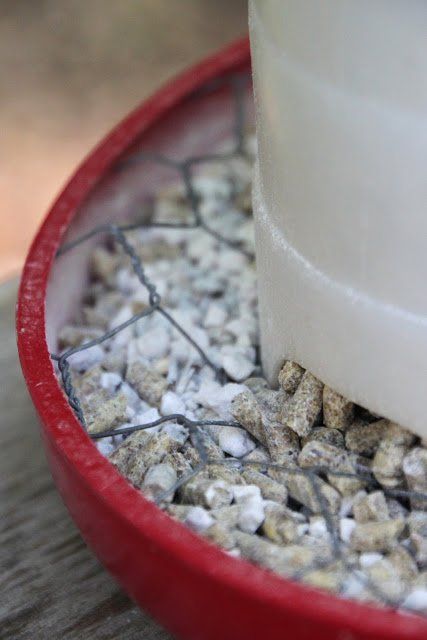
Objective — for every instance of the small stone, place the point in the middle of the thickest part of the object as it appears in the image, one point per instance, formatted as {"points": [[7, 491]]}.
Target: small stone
{"points": [[417, 523], [212, 396], [326, 435], [179, 463], [270, 489], [278, 527], [283, 560], [272, 405], [225, 472], [105, 446], [338, 412], [150, 385], [103, 263], [123, 456], [171, 403], [282, 443], [387, 463], [256, 384], [251, 514], [220, 534], [377, 536], [228, 515], [290, 376], [152, 453], [108, 414], [300, 488], [198, 519], [346, 529], [147, 417], [159, 480], [176, 432], [154, 344], [396, 509], [330, 578], [339, 463], [235, 441], [211, 449], [371, 507], [245, 409], [87, 358], [369, 558], [416, 600], [71, 336], [110, 381], [207, 493], [247, 492], [364, 438], [317, 527], [403, 563], [259, 454], [384, 579], [237, 366], [216, 316], [419, 545], [305, 406], [415, 470], [88, 387]]}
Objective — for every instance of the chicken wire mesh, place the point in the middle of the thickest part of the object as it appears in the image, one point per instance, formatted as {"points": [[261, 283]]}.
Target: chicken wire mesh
{"points": [[237, 85]]}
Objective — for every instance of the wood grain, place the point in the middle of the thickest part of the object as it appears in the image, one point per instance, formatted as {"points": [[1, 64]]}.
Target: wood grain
{"points": [[51, 585]]}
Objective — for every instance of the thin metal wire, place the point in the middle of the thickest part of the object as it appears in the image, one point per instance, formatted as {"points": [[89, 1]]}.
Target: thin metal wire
{"points": [[117, 233]]}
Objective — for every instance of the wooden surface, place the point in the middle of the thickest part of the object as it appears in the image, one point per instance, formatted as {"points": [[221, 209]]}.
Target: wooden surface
{"points": [[51, 584], [70, 70]]}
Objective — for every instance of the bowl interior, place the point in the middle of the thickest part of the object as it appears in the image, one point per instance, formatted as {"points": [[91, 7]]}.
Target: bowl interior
{"points": [[201, 124]]}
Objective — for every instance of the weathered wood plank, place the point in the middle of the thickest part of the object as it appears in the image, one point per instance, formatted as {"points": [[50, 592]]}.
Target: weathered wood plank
{"points": [[51, 584]]}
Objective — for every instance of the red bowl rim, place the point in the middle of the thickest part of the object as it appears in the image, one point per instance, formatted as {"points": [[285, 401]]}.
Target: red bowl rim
{"points": [[63, 429]]}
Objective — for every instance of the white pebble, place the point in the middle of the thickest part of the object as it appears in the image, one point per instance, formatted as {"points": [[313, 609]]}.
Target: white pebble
{"points": [[231, 261], [110, 381], [176, 432], [172, 403], [416, 600], [83, 360], [213, 396], [146, 417], [154, 343], [105, 446], [346, 506], [346, 528], [251, 515], [243, 492], [354, 585], [215, 316], [302, 529], [369, 558], [199, 519], [237, 366], [122, 338], [318, 528], [235, 442]]}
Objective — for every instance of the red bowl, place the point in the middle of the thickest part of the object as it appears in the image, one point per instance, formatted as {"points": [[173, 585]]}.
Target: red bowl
{"points": [[190, 586]]}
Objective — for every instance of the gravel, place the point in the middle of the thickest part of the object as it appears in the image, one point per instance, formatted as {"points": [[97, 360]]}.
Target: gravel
{"points": [[300, 480]]}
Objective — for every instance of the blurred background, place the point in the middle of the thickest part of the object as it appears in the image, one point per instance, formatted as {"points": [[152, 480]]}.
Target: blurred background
{"points": [[70, 69]]}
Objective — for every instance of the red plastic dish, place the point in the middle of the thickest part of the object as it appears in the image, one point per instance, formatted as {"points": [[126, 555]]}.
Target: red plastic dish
{"points": [[191, 587]]}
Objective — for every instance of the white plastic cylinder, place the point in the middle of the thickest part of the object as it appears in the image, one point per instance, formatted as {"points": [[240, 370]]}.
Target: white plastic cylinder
{"points": [[341, 196]]}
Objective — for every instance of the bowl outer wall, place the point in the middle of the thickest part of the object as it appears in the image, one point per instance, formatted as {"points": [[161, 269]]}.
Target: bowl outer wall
{"points": [[190, 586]]}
